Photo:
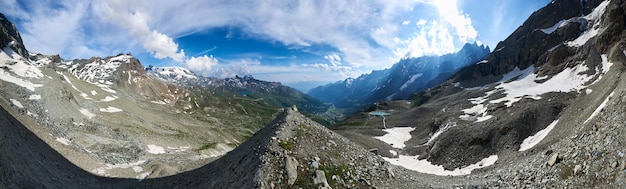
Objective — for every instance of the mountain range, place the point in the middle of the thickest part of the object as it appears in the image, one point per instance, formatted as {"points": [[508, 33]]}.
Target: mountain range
{"points": [[403, 79], [544, 109]]}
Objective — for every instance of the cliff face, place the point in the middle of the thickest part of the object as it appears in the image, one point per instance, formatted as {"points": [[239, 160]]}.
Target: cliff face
{"points": [[10, 37], [538, 41]]}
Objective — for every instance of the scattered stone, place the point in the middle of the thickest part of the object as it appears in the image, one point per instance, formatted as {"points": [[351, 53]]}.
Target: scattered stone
{"points": [[291, 167], [553, 159], [577, 169], [390, 173], [320, 178], [315, 163]]}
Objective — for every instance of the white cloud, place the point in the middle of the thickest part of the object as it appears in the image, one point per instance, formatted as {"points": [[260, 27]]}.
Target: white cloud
{"points": [[368, 34], [461, 22], [202, 64], [125, 15], [432, 38]]}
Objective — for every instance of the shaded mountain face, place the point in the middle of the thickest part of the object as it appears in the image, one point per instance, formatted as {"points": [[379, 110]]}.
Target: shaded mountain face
{"points": [[550, 79], [408, 76]]}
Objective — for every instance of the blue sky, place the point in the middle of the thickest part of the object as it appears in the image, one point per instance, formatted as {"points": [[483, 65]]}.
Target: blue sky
{"points": [[299, 43]]}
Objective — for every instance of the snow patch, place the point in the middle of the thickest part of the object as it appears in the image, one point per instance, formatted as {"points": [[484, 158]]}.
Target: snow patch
{"points": [[17, 103], [600, 107], [533, 140], [87, 113], [410, 81], [102, 171], [34, 97], [594, 16], [396, 136], [154, 149], [17, 81], [423, 166], [393, 152], [110, 109], [63, 141], [553, 28], [93, 92], [109, 98]]}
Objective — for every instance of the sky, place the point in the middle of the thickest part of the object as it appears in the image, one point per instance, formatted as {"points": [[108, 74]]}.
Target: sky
{"points": [[300, 43]]}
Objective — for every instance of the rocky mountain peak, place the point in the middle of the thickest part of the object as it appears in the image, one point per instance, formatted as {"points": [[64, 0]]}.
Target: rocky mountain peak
{"points": [[10, 37], [543, 39]]}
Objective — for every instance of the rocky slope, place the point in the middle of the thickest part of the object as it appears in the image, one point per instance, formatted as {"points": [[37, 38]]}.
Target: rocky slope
{"points": [[549, 79]]}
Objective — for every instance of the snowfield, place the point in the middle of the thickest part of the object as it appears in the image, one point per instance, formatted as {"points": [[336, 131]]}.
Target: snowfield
{"points": [[423, 166], [396, 136]]}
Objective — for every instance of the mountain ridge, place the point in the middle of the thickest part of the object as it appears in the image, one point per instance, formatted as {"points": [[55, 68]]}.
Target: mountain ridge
{"points": [[408, 76]]}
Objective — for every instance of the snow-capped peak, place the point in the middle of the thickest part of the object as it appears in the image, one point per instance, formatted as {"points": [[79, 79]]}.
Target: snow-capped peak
{"points": [[172, 72]]}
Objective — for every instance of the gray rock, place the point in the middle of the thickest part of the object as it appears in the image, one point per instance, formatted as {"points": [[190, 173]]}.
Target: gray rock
{"points": [[577, 169], [553, 159], [315, 163], [291, 167], [319, 178]]}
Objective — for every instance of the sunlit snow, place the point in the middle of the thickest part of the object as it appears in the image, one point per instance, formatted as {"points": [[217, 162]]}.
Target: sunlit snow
{"points": [[593, 31], [110, 109], [16, 103], [396, 136], [423, 166], [154, 149], [34, 97], [553, 28], [63, 141], [537, 137], [600, 107], [87, 113]]}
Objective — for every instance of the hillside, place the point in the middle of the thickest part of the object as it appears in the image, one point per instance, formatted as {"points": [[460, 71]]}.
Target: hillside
{"points": [[125, 119]]}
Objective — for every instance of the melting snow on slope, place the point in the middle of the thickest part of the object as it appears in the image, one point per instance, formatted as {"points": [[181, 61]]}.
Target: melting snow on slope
{"points": [[17, 103], [134, 165], [13, 62], [597, 111], [410, 81], [533, 140], [566, 81], [109, 98], [110, 109], [553, 28], [441, 130], [63, 141], [423, 166], [594, 16], [154, 149], [34, 97], [87, 113], [396, 136]]}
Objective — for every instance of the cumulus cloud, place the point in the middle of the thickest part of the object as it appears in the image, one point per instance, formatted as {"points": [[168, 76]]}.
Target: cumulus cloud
{"points": [[368, 34], [135, 21], [202, 64], [462, 24], [432, 39]]}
